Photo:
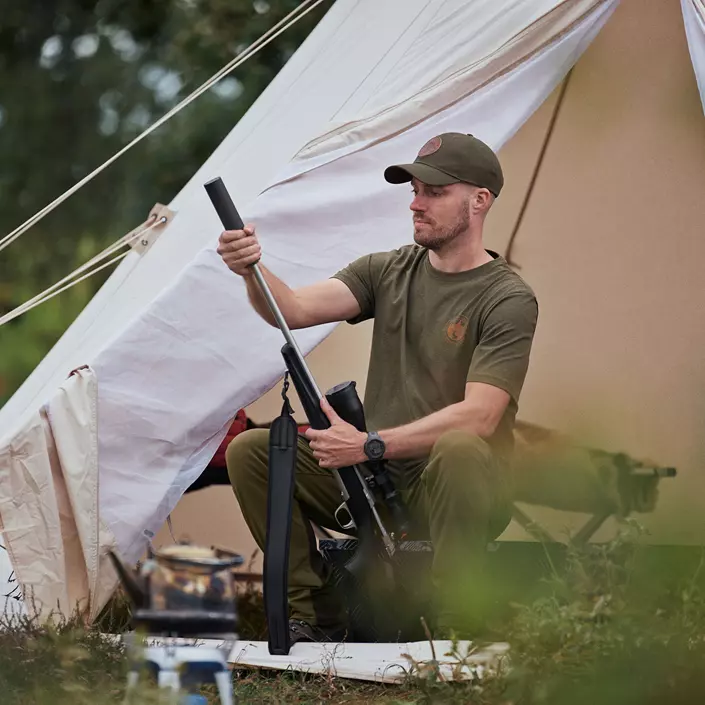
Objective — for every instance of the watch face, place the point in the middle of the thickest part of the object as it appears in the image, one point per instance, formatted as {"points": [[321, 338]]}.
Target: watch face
{"points": [[375, 448]]}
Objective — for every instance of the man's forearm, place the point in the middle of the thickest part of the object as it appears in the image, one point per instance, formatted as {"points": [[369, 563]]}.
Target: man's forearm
{"points": [[283, 295], [416, 439]]}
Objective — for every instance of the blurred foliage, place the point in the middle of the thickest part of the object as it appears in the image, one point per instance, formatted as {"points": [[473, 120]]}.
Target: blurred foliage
{"points": [[619, 623], [623, 623], [80, 79]]}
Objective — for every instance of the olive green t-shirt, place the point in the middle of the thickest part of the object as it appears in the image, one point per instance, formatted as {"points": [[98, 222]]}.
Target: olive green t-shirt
{"points": [[434, 332]]}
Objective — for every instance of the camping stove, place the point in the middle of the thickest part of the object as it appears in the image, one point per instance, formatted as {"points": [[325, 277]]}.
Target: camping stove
{"points": [[183, 594]]}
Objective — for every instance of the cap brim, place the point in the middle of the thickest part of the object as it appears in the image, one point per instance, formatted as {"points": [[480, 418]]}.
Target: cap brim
{"points": [[401, 173]]}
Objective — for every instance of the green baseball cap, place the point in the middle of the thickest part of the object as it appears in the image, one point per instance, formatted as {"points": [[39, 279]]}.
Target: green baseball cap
{"points": [[451, 158]]}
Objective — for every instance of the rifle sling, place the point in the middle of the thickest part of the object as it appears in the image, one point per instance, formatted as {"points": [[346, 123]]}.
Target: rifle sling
{"points": [[280, 497]]}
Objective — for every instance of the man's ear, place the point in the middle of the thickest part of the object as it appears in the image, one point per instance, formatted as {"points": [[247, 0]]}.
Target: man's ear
{"points": [[483, 200]]}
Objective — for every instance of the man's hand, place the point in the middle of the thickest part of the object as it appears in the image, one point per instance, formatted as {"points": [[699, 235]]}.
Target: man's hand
{"points": [[239, 249], [340, 445]]}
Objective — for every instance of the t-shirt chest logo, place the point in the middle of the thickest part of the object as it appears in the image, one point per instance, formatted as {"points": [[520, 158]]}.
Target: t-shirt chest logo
{"points": [[456, 329]]}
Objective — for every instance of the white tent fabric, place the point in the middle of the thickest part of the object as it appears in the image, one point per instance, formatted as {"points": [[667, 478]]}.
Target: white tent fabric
{"points": [[174, 356], [694, 20], [435, 86]]}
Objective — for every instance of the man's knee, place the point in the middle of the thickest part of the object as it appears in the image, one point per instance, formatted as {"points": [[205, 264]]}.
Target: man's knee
{"points": [[463, 478], [458, 456], [461, 446], [246, 456]]}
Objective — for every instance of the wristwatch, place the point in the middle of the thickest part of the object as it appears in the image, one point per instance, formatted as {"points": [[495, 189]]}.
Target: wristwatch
{"points": [[374, 446]]}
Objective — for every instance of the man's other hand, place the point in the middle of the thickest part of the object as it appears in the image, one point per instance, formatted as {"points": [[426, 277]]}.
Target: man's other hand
{"points": [[339, 446]]}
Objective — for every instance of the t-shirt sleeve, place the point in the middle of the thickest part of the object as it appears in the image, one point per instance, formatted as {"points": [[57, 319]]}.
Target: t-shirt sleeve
{"points": [[362, 277], [501, 357]]}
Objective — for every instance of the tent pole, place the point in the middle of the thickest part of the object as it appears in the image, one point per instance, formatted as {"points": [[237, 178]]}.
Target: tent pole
{"points": [[537, 168]]}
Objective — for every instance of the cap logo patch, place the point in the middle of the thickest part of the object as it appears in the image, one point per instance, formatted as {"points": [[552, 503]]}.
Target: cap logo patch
{"points": [[433, 145]]}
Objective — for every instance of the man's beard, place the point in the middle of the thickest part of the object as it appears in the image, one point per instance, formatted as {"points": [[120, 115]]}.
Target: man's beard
{"points": [[434, 236]]}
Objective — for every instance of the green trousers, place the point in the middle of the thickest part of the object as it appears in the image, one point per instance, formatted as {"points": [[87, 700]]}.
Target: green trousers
{"points": [[461, 497]]}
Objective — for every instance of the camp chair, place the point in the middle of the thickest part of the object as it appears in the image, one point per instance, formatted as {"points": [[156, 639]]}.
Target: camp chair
{"points": [[551, 470]]}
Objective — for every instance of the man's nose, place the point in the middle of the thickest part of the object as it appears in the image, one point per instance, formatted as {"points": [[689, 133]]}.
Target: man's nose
{"points": [[417, 205]]}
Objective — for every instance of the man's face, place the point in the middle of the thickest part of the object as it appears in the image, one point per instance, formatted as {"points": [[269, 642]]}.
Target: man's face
{"points": [[441, 213]]}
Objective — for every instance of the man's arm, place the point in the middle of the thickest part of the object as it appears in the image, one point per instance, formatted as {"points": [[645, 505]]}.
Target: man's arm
{"points": [[323, 302], [342, 444], [479, 414], [496, 374]]}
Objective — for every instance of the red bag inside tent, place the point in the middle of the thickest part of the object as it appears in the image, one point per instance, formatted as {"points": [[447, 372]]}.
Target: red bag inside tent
{"points": [[240, 423]]}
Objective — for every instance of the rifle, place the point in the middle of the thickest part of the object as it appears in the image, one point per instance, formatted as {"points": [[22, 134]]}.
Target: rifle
{"points": [[358, 501]]}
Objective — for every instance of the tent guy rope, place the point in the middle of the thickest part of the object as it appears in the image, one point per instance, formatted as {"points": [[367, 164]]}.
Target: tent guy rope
{"points": [[54, 290], [292, 18]]}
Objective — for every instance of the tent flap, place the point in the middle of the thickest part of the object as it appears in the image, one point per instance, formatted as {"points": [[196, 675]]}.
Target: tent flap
{"points": [[49, 502], [511, 34]]}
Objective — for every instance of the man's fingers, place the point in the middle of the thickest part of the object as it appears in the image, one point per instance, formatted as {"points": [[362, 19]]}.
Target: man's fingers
{"points": [[329, 411], [314, 442], [239, 249], [241, 252], [245, 243], [228, 236], [240, 260], [240, 264], [323, 460]]}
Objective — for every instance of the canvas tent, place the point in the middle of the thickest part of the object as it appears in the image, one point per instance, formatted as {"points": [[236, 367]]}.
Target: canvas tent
{"points": [[608, 241]]}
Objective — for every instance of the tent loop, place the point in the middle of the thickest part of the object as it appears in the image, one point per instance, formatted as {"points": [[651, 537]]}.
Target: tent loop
{"points": [[294, 16]]}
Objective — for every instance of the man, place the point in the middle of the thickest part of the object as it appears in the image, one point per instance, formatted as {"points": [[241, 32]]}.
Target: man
{"points": [[453, 328]]}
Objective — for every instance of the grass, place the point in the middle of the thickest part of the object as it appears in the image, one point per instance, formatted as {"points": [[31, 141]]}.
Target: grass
{"points": [[613, 626]]}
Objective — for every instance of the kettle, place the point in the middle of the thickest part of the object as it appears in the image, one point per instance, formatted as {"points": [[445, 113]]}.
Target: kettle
{"points": [[183, 590]]}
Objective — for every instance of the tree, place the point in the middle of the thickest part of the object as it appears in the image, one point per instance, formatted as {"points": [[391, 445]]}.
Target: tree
{"points": [[80, 79]]}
